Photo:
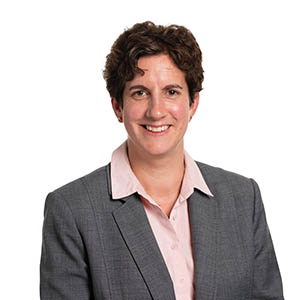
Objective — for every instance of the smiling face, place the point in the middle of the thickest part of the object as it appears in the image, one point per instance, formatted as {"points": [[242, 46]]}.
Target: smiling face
{"points": [[156, 109]]}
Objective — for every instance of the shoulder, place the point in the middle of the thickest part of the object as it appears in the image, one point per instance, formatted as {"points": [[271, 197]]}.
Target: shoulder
{"points": [[218, 174], [77, 193], [226, 184], [98, 176], [234, 194]]}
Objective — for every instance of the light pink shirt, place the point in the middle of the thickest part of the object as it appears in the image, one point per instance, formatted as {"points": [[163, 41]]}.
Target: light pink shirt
{"points": [[173, 235]]}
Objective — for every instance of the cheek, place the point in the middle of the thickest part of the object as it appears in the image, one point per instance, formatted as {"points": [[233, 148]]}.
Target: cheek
{"points": [[179, 111], [132, 113]]}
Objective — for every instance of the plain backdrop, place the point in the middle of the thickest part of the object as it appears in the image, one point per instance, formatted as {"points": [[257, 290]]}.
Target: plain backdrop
{"points": [[57, 123]]}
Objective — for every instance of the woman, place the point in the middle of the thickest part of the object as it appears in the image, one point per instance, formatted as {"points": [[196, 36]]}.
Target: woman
{"points": [[155, 224]]}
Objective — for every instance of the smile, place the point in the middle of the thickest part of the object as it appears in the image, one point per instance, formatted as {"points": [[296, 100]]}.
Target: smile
{"points": [[156, 129]]}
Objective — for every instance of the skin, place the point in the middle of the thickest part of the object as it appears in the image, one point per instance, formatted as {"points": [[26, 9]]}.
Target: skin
{"points": [[158, 98]]}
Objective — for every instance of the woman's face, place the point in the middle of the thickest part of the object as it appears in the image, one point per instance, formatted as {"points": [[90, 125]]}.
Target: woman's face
{"points": [[156, 109]]}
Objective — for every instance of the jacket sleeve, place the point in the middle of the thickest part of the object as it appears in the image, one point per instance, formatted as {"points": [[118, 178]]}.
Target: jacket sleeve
{"points": [[267, 283], [64, 273]]}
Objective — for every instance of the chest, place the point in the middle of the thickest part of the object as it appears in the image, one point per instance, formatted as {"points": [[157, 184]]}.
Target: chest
{"points": [[124, 251]]}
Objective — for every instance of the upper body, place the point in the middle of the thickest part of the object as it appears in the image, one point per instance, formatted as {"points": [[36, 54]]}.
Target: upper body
{"points": [[98, 247]]}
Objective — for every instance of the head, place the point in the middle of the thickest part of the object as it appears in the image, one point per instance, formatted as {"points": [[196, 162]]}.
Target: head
{"points": [[147, 39]]}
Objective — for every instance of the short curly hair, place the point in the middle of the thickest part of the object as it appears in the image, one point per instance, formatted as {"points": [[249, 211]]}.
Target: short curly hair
{"points": [[145, 39]]}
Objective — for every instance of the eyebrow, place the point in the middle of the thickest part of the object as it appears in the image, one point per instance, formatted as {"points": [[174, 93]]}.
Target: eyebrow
{"points": [[173, 86], [138, 87], [167, 87]]}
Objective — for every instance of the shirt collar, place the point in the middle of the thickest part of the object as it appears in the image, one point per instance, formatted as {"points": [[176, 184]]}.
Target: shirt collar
{"points": [[125, 183]]}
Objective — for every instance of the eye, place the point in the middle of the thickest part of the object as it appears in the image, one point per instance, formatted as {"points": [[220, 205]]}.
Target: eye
{"points": [[172, 92], [139, 94]]}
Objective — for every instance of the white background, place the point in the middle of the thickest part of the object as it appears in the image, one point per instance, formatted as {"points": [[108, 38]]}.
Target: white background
{"points": [[57, 123]]}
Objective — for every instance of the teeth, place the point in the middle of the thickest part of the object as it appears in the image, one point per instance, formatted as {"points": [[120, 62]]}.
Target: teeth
{"points": [[157, 129]]}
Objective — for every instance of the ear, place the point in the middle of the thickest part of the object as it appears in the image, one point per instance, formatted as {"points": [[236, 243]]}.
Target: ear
{"points": [[194, 106], [117, 109]]}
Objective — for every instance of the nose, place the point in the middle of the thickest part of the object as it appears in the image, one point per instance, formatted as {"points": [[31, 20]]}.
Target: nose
{"points": [[156, 107]]}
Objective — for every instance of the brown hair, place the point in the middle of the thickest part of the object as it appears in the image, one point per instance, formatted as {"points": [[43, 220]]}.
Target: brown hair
{"points": [[150, 39]]}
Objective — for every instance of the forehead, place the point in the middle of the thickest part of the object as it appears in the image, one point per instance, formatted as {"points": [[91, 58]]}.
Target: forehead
{"points": [[159, 68]]}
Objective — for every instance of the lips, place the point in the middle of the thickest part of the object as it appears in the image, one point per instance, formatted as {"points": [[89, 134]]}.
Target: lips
{"points": [[156, 128]]}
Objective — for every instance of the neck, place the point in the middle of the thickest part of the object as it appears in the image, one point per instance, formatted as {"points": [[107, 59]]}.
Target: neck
{"points": [[160, 176]]}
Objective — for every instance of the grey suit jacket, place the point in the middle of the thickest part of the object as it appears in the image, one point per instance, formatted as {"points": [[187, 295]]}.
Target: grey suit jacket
{"points": [[98, 248]]}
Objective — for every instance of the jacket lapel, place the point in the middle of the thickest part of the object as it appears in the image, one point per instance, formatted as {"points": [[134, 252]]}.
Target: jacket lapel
{"points": [[203, 219], [136, 231]]}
